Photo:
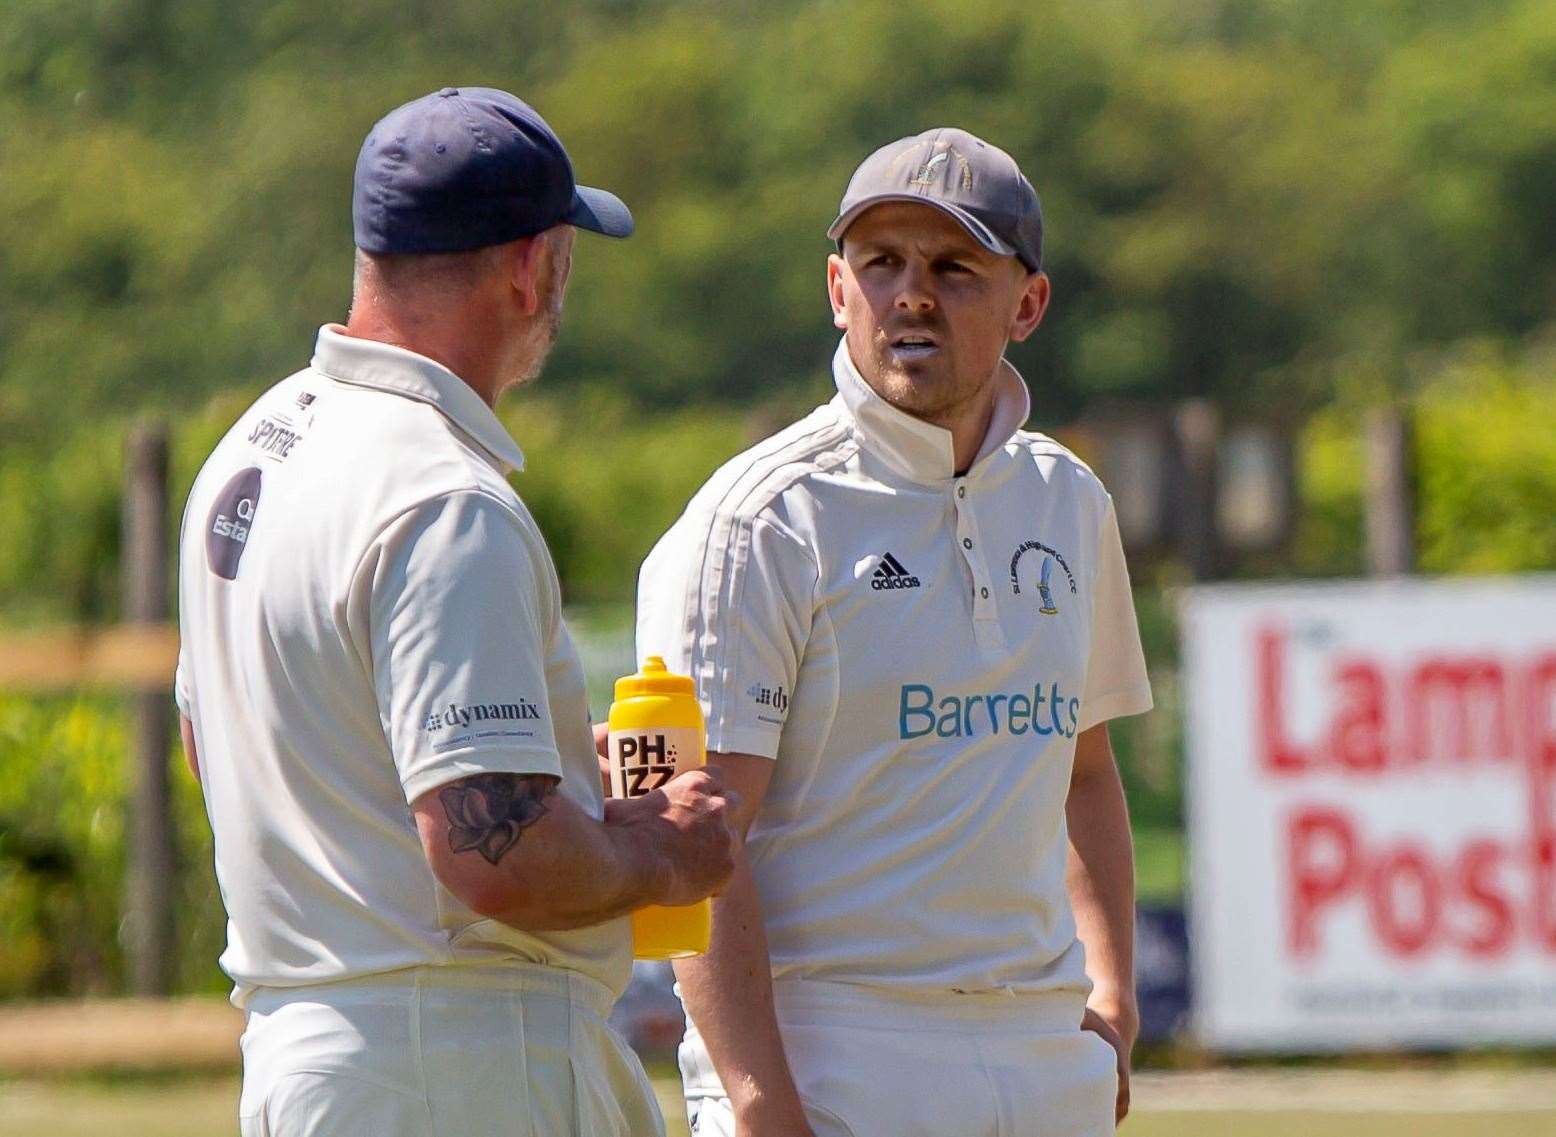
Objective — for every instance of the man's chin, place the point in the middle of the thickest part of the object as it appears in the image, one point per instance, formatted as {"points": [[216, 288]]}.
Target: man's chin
{"points": [[916, 380]]}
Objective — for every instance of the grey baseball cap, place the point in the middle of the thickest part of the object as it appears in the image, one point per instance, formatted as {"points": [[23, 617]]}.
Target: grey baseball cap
{"points": [[978, 184]]}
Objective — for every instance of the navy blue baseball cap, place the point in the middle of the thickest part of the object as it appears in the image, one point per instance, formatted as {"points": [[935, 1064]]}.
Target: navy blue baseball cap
{"points": [[467, 167]]}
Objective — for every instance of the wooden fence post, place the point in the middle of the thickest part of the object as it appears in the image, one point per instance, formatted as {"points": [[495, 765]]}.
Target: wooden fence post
{"points": [[149, 921], [1391, 492], [1196, 425]]}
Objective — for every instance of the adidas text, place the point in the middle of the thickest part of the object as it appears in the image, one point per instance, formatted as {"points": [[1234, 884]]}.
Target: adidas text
{"points": [[890, 574]]}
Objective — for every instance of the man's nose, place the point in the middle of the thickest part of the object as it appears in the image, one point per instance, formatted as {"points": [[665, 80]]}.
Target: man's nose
{"points": [[914, 290]]}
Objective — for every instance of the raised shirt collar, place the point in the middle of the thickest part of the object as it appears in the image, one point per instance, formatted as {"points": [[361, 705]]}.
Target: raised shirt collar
{"points": [[384, 367], [914, 448]]}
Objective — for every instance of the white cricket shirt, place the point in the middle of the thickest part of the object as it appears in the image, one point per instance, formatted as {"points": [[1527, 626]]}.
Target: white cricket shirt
{"points": [[917, 651], [368, 612]]}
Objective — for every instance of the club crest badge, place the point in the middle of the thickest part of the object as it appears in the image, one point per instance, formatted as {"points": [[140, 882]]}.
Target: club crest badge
{"points": [[1043, 590], [1044, 584]]}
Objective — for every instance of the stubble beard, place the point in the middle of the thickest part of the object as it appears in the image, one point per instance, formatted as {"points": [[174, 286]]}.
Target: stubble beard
{"points": [[930, 390], [547, 327]]}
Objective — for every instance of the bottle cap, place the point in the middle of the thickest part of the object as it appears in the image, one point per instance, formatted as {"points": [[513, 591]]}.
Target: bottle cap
{"points": [[654, 679]]}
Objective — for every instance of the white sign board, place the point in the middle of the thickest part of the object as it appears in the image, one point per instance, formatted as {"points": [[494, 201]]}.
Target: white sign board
{"points": [[1371, 825]]}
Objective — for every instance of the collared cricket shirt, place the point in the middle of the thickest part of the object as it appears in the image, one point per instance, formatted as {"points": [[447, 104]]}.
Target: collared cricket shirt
{"points": [[918, 651], [367, 613]]}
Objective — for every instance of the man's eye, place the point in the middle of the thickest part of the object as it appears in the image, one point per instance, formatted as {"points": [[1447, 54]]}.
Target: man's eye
{"points": [[954, 267]]}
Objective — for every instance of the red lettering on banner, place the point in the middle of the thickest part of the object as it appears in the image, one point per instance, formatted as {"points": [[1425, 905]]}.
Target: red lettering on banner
{"points": [[1414, 902], [1438, 711], [1281, 756], [1544, 865], [1359, 737], [1540, 727], [1459, 711], [1404, 900], [1479, 866], [1540, 720], [1322, 848]]}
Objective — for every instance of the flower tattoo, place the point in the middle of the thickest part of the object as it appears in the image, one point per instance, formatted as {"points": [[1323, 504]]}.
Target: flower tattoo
{"points": [[489, 812]]}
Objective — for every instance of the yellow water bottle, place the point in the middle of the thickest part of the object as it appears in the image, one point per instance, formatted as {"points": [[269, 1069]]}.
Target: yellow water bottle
{"points": [[656, 732]]}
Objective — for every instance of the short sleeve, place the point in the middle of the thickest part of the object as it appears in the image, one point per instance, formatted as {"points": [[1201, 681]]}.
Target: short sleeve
{"points": [[1116, 682], [183, 685], [183, 693], [460, 628], [728, 600]]}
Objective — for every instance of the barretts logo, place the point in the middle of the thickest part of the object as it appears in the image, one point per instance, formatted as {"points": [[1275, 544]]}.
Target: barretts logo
{"points": [[1039, 709]]}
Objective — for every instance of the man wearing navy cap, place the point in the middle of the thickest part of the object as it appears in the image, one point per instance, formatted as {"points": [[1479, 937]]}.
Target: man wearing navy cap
{"points": [[909, 620], [426, 893]]}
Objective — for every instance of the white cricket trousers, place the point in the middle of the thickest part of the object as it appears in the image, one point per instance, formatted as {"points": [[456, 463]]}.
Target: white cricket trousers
{"points": [[869, 1063], [469, 1051]]}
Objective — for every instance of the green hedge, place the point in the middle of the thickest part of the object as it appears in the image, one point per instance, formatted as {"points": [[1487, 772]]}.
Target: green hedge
{"points": [[63, 786]]}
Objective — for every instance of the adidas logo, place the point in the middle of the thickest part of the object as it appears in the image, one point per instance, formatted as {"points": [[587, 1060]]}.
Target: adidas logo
{"points": [[890, 574]]}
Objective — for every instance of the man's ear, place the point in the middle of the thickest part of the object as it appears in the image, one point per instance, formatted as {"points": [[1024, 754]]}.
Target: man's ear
{"points": [[1035, 294], [523, 269], [835, 270]]}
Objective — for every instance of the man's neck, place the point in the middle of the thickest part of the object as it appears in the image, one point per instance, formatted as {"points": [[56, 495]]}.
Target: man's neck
{"points": [[968, 433], [968, 422], [463, 346]]}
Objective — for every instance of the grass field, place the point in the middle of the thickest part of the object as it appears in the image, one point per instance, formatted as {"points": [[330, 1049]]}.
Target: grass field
{"points": [[205, 1107], [92, 1067]]}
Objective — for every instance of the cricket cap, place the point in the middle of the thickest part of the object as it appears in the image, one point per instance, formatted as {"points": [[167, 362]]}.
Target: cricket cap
{"points": [[978, 184], [467, 167]]}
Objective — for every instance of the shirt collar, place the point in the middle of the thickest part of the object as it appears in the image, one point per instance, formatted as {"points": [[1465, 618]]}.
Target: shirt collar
{"points": [[914, 448], [385, 367]]}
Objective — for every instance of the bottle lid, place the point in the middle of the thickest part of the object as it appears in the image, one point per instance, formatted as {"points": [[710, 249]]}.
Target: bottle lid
{"points": [[654, 679]]}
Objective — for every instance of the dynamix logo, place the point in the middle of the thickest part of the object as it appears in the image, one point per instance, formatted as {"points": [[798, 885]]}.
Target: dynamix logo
{"points": [[775, 697], [455, 715], [920, 713]]}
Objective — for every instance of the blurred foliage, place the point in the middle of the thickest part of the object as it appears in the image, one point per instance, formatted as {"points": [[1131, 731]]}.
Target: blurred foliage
{"points": [[62, 850], [1485, 457], [1251, 199], [1293, 208], [604, 482]]}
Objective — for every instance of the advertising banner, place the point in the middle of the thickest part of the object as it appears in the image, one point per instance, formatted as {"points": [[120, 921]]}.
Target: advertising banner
{"points": [[1371, 825]]}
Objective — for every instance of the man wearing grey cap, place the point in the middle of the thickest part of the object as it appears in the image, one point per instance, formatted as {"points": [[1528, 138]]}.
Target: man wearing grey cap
{"points": [[909, 621], [426, 893]]}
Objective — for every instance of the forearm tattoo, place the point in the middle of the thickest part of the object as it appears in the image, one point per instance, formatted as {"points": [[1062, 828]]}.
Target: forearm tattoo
{"points": [[489, 812]]}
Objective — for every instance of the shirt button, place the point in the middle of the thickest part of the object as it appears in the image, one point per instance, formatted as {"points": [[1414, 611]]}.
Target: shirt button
{"points": [[966, 542], [961, 491], [983, 592]]}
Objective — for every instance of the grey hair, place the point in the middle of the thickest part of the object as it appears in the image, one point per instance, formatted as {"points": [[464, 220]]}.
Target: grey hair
{"points": [[394, 277]]}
